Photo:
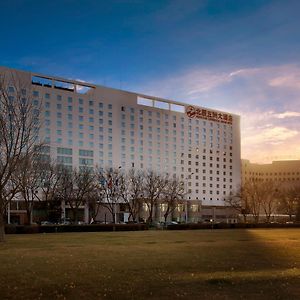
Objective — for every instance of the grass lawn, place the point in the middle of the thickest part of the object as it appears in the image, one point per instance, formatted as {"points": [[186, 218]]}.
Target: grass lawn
{"points": [[196, 264]]}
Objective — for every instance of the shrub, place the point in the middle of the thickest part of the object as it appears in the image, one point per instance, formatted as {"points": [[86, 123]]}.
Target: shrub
{"points": [[22, 229]]}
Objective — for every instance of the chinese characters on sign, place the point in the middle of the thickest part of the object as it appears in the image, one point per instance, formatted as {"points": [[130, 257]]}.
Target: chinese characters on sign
{"points": [[201, 113]]}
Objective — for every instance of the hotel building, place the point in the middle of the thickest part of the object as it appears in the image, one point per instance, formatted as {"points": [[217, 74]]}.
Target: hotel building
{"points": [[87, 125]]}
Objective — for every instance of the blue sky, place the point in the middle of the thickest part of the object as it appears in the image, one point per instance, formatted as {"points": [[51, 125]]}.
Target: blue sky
{"points": [[240, 56]]}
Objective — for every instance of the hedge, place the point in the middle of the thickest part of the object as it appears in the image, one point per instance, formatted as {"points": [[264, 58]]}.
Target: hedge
{"points": [[24, 229]]}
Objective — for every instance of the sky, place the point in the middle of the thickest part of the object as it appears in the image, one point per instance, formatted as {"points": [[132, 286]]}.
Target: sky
{"points": [[239, 56]]}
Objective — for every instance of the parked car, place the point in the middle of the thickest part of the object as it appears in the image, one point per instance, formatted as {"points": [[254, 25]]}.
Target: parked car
{"points": [[44, 223]]}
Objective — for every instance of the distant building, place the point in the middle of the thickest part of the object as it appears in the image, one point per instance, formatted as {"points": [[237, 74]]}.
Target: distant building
{"points": [[87, 125], [285, 172]]}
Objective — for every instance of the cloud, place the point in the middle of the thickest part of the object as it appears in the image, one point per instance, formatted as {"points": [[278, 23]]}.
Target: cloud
{"points": [[287, 81], [287, 114], [270, 135]]}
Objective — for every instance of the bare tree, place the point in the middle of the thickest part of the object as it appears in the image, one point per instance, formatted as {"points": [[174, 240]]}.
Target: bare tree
{"points": [[109, 184], [172, 195], [269, 201], [289, 200], [238, 200], [75, 186], [154, 185], [131, 192], [95, 199], [18, 124], [49, 188], [28, 180], [9, 192]]}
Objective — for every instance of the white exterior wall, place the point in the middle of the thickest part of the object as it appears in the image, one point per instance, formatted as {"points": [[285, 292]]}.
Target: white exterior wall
{"points": [[192, 148]]}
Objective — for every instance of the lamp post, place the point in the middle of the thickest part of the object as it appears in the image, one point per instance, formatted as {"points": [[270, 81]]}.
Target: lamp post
{"points": [[8, 213]]}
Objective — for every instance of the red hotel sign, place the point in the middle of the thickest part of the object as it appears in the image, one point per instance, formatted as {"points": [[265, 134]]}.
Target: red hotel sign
{"points": [[200, 113]]}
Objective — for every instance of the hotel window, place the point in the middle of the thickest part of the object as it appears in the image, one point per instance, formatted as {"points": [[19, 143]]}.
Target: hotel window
{"points": [[89, 153], [109, 106], [91, 111], [80, 101], [91, 103], [64, 151], [58, 97], [80, 109], [86, 161], [47, 96]]}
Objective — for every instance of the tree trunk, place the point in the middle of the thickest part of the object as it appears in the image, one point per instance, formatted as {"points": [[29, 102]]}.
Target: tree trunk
{"points": [[75, 217], [2, 223], [150, 218], [298, 212], [28, 213]]}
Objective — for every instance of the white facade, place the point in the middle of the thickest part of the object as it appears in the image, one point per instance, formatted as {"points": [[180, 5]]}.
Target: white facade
{"points": [[87, 124]]}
